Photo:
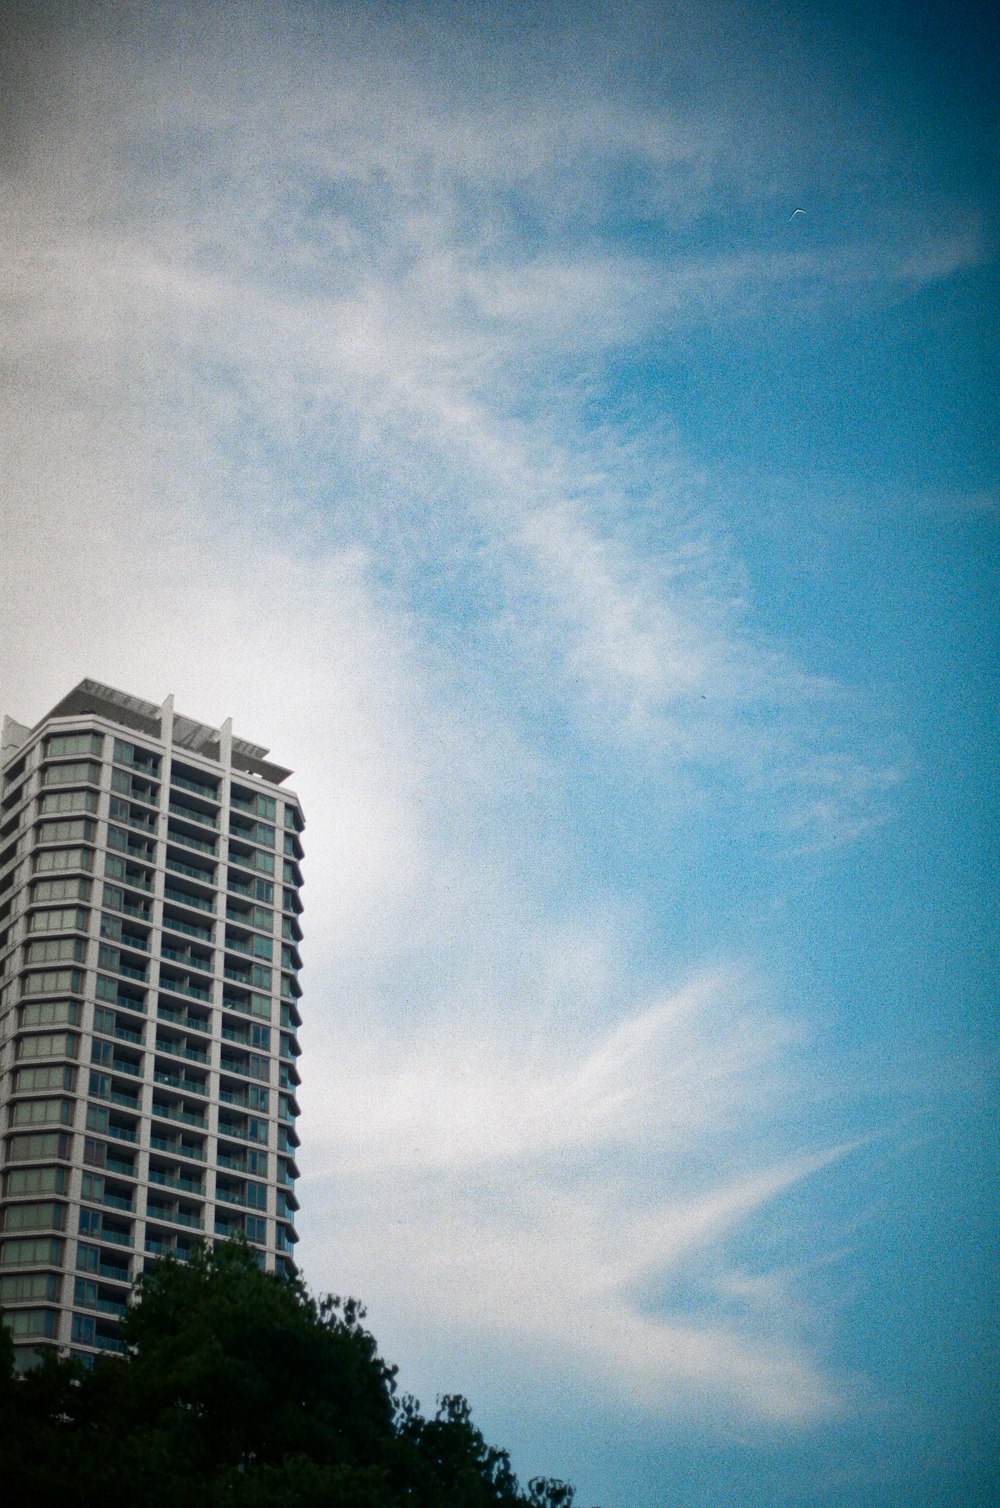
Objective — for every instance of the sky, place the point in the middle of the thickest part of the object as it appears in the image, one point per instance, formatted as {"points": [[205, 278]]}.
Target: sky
{"points": [[565, 434]]}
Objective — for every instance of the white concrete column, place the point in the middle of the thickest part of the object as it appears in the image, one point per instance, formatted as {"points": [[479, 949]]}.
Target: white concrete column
{"points": [[167, 721]]}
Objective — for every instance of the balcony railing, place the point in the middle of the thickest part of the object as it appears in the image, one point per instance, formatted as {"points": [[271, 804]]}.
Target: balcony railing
{"points": [[186, 1185], [175, 1081], [174, 1217], [190, 814], [182, 1018], [175, 987], [116, 1274], [187, 959], [198, 902], [182, 1117], [189, 928], [119, 1202], [206, 876], [192, 1054], [234, 1196], [110, 1306], [122, 1065], [176, 1149], [175, 1249], [116, 1237], [234, 1164], [109, 1343], [205, 791], [198, 844]]}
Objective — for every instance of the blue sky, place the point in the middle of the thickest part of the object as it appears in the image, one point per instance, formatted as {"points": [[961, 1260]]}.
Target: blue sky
{"points": [[453, 396]]}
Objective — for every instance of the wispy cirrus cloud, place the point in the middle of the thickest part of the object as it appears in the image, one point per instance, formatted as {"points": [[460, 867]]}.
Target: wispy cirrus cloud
{"points": [[331, 288], [556, 1193], [306, 397]]}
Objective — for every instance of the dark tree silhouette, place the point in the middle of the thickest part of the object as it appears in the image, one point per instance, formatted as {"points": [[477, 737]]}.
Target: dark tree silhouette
{"points": [[240, 1390]]}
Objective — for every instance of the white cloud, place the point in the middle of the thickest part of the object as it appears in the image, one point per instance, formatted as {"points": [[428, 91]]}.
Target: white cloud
{"points": [[287, 326], [534, 1185]]}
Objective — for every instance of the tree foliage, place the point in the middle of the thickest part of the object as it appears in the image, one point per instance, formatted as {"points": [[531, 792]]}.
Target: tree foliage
{"points": [[240, 1389]]}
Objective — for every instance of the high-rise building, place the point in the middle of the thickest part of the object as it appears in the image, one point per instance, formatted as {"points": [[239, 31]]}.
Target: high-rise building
{"points": [[149, 936]]}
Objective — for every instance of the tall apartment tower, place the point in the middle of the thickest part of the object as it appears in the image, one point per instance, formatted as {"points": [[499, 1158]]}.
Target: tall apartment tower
{"points": [[149, 932]]}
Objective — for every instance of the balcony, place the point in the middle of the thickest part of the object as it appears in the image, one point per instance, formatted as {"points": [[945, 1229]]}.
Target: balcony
{"points": [[192, 1054], [189, 841], [142, 822], [206, 876], [207, 792], [180, 1117], [177, 1249], [122, 1065], [204, 934], [234, 1164], [185, 1185], [115, 1274], [145, 851], [191, 814], [119, 1202], [176, 1081], [124, 1002], [244, 1070], [182, 1018], [175, 987], [135, 941], [232, 946], [176, 1148], [109, 1306], [183, 898], [127, 1101], [173, 1217], [185, 957], [116, 1237], [125, 1034], [109, 1343], [234, 1196]]}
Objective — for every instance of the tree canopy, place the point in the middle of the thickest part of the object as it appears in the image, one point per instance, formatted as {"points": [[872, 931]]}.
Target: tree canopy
{"points": [[238, 1388]]}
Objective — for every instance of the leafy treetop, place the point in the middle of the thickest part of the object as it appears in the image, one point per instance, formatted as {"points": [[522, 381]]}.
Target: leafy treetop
{"points": [[240, 1390]]}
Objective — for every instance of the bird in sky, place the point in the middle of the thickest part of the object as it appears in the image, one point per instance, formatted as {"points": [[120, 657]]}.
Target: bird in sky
{"points": [[796, 212]]}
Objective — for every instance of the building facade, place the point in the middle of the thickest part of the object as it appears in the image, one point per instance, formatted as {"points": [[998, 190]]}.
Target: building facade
{"points": [[149, 933]]}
